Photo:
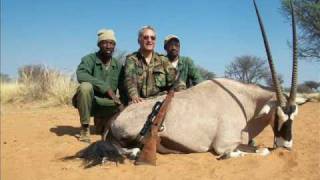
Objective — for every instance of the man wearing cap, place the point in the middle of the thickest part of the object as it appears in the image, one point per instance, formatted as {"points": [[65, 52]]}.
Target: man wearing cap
{"points": [[147, 73], [189, 73], [99, 78]]}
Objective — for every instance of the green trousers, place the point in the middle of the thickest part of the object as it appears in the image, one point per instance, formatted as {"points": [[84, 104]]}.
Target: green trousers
{"points": [[90, 105]]}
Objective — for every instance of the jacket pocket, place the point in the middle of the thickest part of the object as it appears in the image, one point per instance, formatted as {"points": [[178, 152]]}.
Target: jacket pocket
{"points": [[160, 77], [114, 82], [139, 71]]}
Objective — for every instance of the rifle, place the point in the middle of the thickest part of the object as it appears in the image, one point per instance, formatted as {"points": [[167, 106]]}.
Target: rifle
{"points": [[147, 125], [151, 141]]}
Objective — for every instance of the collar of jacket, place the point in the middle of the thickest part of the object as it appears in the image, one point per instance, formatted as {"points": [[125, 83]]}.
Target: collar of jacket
{"points": [[139, 54], [180, 62], [155, 56], [113, 62]]}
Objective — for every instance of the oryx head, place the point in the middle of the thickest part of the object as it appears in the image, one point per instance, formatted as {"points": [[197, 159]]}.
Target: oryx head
{"points": [[286, 109]]}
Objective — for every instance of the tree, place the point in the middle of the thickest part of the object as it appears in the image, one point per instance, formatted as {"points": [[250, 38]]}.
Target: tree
{"points": [[205, 73], [302, 88], [308, 87], [312, 85], [308, 20], [269, 82], [247, 69]]}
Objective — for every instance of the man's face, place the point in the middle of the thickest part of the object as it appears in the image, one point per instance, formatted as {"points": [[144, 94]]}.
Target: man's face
{"points": [[106, 47], [148, 40], [173, 48]]}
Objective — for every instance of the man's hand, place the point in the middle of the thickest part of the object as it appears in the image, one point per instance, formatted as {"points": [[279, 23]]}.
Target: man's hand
{"points": [[113, 97], [136, 99]]}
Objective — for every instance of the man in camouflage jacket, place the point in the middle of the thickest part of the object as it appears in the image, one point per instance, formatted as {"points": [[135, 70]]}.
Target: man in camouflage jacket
{"points": [[147, 73]]}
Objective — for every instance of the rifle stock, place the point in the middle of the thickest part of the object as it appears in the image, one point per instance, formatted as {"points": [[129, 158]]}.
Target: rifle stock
{"points": [[150, 143]]}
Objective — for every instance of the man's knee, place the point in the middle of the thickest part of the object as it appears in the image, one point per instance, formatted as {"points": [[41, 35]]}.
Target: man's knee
{"points": [[85, 88], [84, 95]]}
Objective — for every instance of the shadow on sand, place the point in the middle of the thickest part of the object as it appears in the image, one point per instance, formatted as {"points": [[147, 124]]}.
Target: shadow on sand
{"points": [[69, 130], [65, 130]]}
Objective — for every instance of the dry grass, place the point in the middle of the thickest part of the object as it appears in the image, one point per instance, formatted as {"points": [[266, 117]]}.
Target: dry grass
{"points": [[10, 91], [313, 97], [62, 89], [46, 85]]}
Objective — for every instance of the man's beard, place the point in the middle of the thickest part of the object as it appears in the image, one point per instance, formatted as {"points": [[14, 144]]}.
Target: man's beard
{"points": [[106, 54], [173, 56]]}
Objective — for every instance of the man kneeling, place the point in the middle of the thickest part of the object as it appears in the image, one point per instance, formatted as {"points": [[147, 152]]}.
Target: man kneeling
{"points": [[99, 78]]}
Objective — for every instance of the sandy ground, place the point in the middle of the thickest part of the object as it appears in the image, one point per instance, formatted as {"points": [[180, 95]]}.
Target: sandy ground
{"points": [[35, 140]]}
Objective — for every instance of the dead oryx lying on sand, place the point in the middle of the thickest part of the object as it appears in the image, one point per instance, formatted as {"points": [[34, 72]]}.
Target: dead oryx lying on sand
{"points": [[216, 115]]}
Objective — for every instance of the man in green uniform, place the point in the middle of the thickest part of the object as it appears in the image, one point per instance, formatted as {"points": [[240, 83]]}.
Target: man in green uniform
{"points": [[99, 78], [189, 73], [147, 73]]}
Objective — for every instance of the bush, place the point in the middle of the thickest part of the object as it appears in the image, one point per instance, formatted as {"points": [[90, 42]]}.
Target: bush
{"points": [[40, 83], [37, 79], [302, 88], [62, 88]]}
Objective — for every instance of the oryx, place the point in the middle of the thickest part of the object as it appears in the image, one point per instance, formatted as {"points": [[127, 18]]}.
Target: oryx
{"points": [[218, 114]]}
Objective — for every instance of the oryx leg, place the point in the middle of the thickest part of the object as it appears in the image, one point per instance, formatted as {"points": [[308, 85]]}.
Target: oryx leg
{"points": [[131, 153], [244, 150], [230, 145]]}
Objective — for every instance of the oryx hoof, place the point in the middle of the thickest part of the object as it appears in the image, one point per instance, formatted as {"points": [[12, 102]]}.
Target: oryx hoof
{"points": [[134, 153], [263, 151]]}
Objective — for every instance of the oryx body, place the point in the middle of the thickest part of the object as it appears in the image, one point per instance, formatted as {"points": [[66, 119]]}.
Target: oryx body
{"points": [[214, 115]]}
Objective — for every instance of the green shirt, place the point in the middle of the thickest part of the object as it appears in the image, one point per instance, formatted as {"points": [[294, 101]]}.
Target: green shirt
{"points": [[92, 70], [189, 73], [145, 80]]}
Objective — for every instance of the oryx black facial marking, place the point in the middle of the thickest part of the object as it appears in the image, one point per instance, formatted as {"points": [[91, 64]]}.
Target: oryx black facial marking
{"points": [[284, 129], [283, 125]]}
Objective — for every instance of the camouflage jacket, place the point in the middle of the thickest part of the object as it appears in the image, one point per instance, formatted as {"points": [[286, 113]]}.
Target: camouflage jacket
{"points": [[189, 73], [146, 80]]}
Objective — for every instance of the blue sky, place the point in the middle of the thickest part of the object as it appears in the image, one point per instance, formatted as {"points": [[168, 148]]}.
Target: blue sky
{"points": [[58, 33]]}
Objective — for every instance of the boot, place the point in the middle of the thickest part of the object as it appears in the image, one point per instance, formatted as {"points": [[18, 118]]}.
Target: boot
{"points": [[85, 134]]}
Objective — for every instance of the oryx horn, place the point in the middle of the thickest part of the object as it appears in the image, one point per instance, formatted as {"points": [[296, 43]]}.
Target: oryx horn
{"points": [[293, 90], [275, 80]]}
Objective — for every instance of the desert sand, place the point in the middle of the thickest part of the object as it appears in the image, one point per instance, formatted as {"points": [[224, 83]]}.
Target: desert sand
{"points": [[34, 141]]}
